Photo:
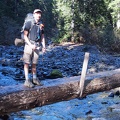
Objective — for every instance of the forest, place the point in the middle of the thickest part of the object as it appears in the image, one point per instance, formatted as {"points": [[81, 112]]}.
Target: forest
{"points": [[80, 21]]}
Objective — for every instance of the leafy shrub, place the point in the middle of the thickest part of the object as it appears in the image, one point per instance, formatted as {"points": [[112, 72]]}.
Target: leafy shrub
{"points": [[56, 74]]}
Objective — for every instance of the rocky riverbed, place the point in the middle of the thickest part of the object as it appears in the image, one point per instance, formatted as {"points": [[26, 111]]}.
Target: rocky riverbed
{"points": [[63, 60], [66, 58]]}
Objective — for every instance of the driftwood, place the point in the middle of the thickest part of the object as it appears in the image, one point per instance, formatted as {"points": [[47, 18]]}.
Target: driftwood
{"points": [[17, 97], [83, 74]]}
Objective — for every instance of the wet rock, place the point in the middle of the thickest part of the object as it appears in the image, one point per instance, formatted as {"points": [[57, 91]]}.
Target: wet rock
{"points": [[19, 77], [114, 92], [116, 110], [110, 109], [111, 94], [4, 117], [117, 93], [68, 58], [89, 112], [104, 102]]}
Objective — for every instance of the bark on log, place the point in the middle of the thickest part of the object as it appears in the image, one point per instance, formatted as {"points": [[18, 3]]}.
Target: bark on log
{"points": [[17, 97]]}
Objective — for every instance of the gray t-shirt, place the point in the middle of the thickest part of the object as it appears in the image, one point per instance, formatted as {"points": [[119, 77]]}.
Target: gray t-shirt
{"points": [[34, 30]]}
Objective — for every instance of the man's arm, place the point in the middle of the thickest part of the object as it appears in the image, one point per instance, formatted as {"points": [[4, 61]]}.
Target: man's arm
{"points": [[43, 43], [27, 40]]}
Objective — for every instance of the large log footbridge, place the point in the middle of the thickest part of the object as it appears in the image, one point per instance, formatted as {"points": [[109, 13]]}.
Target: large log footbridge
{"points": [[17, 97]]}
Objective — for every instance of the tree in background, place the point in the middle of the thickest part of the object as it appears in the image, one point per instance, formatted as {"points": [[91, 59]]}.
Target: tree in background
{"points": [[89, 21], [86, 20], [114, 6]]}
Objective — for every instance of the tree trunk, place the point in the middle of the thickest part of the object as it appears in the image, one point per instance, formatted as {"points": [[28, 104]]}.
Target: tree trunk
{"points": [[17, 97], [73, 20]]}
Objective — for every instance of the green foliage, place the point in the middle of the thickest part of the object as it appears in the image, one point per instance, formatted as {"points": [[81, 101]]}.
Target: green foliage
{"points": [[63, 10], [114, 6], [83, 14]]}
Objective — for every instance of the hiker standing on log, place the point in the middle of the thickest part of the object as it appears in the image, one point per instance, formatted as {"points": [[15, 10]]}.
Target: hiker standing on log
{"points": [[31, 48]]}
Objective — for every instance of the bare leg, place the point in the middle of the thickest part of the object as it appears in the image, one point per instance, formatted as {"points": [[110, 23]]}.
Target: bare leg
{"points": [[35, 79], [26, 69], [27, 83], [33, 68]]}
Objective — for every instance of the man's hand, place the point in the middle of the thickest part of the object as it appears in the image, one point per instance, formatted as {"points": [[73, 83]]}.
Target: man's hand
{"points": [[43, 50], [34, 47]]}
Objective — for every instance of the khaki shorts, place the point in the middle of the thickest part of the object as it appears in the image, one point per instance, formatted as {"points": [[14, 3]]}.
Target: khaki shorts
{"points": [[30, 56]]}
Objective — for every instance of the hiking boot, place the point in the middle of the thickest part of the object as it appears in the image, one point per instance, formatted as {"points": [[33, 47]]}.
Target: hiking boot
{"points": [[28, 83], [36, 81]]}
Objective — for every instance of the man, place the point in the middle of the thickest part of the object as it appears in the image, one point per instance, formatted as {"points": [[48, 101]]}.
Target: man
{"points": [[31, 49]]}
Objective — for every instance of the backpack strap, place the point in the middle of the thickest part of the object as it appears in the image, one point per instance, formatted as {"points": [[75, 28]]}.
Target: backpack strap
{"points": [[32, 24], [39, 31]]}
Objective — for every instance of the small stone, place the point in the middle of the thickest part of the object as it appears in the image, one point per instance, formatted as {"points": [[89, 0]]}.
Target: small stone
{"points": [[104, 102], [117, 93], [111, 95], [89, 112]]}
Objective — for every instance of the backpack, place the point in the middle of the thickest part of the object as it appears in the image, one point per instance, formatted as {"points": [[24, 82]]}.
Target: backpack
{"points": [[29, 17]]}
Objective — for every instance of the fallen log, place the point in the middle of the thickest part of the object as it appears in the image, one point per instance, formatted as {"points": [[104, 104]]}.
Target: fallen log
{"points": [[17, 97]]}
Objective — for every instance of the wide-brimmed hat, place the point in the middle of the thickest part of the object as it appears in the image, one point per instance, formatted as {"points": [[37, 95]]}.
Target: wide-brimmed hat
{"points": [[37, 10]]}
